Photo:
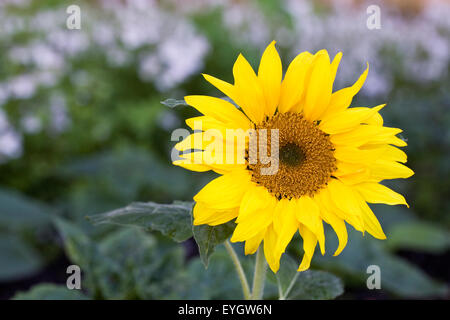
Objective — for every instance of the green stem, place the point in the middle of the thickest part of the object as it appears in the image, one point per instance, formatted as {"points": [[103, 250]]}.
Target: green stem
{"points": [[284, 295], [239, 270], [259, 277]]}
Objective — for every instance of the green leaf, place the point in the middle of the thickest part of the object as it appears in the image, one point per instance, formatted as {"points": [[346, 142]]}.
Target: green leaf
{"points": [[418, 236], [397, 275], [47, 291], [173, 103], [306, 285], [143, 267], [208, 237], [126, 264], [316, 285], [20, 212], [17, 258], [219, 281], [172, 220]]}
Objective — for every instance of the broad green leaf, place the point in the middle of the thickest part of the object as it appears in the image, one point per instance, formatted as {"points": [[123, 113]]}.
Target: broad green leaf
{"points": [[397, 275], [172, 220], [48, 291], [418, 236], [79, 247], [17, 258], [316, 285], [220, 280], [126, 264], [173, 103], [208, 237], [145, 267], [20, 212], [307, 285]]}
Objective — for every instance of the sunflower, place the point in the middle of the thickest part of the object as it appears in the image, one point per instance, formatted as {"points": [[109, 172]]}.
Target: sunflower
{"points": [[332, 157]]}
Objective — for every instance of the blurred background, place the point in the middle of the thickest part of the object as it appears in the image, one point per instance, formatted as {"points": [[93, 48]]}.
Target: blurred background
{"points": [[82, 131]]}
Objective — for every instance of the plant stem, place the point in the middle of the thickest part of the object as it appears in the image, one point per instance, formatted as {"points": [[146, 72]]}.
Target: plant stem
{"points": [[239, 270], [259, 277], [284, 295]]}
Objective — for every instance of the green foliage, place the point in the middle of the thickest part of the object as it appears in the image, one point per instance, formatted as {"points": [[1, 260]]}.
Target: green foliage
{"points": [[307, 285], [173, 103], [398, 276], [18, 212], [127, 264], [208, 237], [17, 258], [21, 220], [172, 220], [419, 235], [48, 291], [219, 280]]}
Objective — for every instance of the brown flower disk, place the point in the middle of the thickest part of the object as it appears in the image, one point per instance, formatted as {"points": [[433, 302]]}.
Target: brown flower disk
{"points": [[306, 160]]}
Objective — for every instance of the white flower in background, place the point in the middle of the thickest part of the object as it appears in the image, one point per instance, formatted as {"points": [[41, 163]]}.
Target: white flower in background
{"points": [[21, 87], [59, 118], [423, 52], [10, 140], [173, 48], [31, 123], [247, 23], [160, 41], [181, 55], [125, 31]]}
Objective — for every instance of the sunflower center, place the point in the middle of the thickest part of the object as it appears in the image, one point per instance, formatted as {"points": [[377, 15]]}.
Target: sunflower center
{"points": [[291, 155], [305, 161]]}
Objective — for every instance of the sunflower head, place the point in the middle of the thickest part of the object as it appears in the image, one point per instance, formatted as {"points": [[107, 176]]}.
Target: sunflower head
{"points": [[307, 157]]}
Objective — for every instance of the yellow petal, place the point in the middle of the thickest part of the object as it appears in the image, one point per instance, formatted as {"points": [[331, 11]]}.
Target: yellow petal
{"points": [[347, 119], [382, 169], [205, 215], [285, 224], [342, 99], [225, 192], [356, 155], [376, 120], [354, 178], [227, 88], [367, 134], [371, 223], [249, 91], [335, 64], [270, 239], [252, 244], [194, 141], [292, 87], [387, 152], [308, 214], [218, 109], [318, 93], [224, 217], [256, 198], [205, 123], [269, 75], [190, 165], [344, 198], [334, 221], [194, 161], [251, 226], [309, 245], [373, 192], [255, 213]]}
